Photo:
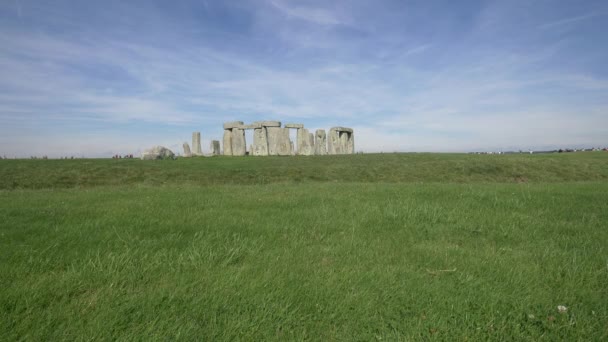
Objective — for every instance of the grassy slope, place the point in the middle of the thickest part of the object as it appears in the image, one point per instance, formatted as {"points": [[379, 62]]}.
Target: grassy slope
{"points": [[478, 256], [37, 174]]}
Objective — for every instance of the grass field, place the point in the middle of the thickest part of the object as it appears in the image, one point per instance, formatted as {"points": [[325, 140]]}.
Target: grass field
{"points": [[360, 247]]}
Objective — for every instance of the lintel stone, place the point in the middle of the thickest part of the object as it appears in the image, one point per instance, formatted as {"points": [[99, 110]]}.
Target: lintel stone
{"points": [[268, 123], [294, 125], [233, 124], [251, 126], [341, 129]]}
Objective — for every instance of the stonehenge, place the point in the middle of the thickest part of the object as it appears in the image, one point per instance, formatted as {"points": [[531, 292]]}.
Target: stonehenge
{"points": [[270, 139]]}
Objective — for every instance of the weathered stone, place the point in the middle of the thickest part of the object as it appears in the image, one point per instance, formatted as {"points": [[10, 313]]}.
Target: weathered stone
{"points": [[320, 142], [233, 124], [305, 147], [343, 142], [341, 129], [196, 144], [268, 123], [278, 141], [333, 142], [250, 126], [157, 152], [239, 145], [187, 152], [311, 143], [260, 142], [227, 142], [294, 125], [350, 147], [215, 147]]}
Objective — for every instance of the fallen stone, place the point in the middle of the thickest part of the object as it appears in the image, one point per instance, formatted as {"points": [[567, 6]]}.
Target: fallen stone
{"points": [[294, 125], [227, 142], [157, 152], [233, 124]]}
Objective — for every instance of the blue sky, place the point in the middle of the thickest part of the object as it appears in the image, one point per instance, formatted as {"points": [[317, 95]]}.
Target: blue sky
{"points": [[96, 78]]}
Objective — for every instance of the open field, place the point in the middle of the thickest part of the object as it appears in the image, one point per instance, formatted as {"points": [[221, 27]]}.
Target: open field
{"points": [[359, 247]]}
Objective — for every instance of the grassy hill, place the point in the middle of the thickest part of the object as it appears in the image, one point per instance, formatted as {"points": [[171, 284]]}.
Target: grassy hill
{"points": [[360, 247]]}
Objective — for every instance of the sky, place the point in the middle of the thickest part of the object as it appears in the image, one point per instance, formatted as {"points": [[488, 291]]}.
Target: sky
{"points": [[98, 78]]}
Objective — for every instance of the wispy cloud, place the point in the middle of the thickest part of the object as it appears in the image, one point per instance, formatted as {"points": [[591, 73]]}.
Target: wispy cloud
{"points": [[570, 20], [452, 88], [316, 15]]}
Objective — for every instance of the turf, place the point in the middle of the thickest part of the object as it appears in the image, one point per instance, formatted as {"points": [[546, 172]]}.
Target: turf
{"points": [[402, 247]]}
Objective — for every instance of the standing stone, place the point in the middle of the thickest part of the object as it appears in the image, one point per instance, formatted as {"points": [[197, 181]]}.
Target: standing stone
{"points": [[333, 142], [227, 142], [292, 150], [320, 142], [343, 142], [311, 143], [187, 152], [215, 147], [350, 149], [196, 144], [239, 145], [260, 142], [278, 141], [305, 148]]}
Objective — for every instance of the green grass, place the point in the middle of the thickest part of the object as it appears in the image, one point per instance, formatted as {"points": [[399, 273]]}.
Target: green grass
{"points": [[368, 168], [402, 247]]}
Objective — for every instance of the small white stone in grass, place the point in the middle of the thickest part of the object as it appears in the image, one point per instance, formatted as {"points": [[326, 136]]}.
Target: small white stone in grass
{"points": [[562, 309], [531, 316]]}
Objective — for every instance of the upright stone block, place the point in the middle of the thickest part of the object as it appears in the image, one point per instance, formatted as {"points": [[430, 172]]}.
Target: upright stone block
{"points": [[343, 142], [292, 150], [305, 147], [333, 142], [260, 142], [187, 152], [351, 143], [227, 142], [239, 145], [215, 147], [320, 142], [278, 141], [196, 144]]}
